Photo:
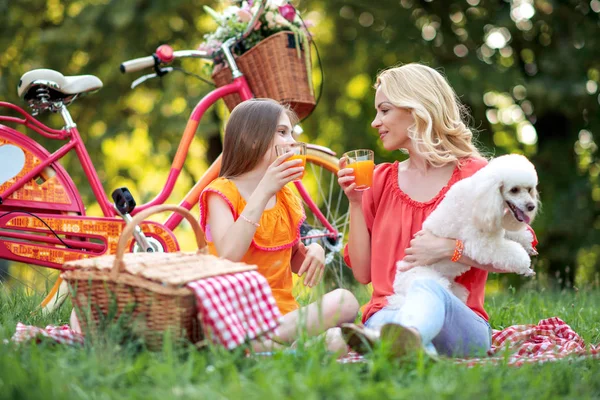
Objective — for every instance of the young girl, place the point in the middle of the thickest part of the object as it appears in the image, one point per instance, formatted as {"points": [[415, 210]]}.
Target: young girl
{"points": [[249, 215], [419, 113]]}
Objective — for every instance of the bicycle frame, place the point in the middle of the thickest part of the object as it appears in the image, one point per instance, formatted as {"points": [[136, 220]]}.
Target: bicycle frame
{"points": [[70, 133]]}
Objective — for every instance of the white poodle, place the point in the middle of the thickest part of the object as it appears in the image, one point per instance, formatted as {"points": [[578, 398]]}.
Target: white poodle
{"points": [[488, 212]]}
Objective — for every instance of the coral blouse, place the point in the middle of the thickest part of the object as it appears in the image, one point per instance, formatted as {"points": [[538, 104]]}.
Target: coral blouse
{"points": [[393, 218], [273, 242]]}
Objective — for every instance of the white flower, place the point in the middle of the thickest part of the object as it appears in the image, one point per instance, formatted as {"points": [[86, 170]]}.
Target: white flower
{"points": [[277, 3], [270, 17], [231, 10], [280, 21]]}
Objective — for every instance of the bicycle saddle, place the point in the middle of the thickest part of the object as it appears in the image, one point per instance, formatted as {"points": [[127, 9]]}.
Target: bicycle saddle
{"points": [[49, 85]]}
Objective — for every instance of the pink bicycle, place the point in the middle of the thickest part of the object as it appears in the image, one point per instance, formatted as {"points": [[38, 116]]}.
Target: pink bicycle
{"points": [[43, 222]]}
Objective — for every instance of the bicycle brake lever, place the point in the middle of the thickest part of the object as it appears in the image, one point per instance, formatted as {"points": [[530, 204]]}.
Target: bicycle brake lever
{"points": [[144, 78]]}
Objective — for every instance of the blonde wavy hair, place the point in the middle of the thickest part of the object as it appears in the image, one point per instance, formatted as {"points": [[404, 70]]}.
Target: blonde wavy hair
{"points": [[440, 133]]}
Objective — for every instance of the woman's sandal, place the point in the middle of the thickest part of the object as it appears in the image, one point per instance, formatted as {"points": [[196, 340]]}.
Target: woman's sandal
{"points": [[403, 341], [360, 338]]}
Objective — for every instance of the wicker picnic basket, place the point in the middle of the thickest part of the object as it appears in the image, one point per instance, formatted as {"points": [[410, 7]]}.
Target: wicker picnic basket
{"points": [[149, 288], [274, 70]]}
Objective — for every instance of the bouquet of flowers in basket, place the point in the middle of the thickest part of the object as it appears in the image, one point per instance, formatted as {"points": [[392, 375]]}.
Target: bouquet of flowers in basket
{"points": [[278, 16]]}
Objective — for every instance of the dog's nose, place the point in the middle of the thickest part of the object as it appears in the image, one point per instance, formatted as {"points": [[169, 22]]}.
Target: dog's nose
{"points": [[530, 206]]}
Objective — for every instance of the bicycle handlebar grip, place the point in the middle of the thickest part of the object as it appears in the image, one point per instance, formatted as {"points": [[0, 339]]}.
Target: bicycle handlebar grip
{"points": [[137, 64]]}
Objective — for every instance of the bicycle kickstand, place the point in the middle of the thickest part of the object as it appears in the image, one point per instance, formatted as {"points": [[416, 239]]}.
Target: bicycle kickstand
{"points": [[124, 205]]}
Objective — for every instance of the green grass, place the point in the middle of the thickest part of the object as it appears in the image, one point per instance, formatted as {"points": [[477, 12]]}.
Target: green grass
{"points": [[106, 369]]}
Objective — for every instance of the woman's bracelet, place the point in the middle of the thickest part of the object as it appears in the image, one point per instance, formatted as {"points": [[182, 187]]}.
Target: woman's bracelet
{"points": [[256, 224], [458, 250]]}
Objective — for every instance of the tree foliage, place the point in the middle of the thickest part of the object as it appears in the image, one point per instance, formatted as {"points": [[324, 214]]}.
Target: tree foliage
{"points": [[528, 70], [541, 71]]}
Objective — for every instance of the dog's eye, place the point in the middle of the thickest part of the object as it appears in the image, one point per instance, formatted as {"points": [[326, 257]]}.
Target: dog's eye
{"points": [[514, 190]]}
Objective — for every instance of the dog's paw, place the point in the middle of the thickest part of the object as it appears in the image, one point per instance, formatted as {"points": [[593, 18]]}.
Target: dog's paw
{"points": [[402, 266], [532, 251], [529, 273]]}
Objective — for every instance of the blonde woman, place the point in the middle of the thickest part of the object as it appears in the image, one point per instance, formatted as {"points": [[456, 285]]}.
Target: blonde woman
{"points": [[418, 113]]}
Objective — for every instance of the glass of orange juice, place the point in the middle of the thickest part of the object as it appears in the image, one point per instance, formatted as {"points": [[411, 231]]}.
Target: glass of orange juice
{"points": [[363, 164], [299, 150]]}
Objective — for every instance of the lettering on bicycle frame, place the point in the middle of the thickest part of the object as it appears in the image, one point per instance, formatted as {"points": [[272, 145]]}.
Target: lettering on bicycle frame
{"points": [[47, 188], [78, 228]]}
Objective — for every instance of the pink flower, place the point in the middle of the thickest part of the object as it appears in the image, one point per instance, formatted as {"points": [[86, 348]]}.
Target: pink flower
{"points": [[309, 23], [288, 12], [244, 15]]}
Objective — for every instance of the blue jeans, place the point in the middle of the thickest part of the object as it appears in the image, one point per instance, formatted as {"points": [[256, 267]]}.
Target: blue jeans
{"points": [[445, 323]]}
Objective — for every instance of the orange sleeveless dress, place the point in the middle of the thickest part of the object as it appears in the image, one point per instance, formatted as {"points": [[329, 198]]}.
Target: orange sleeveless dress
{"points": [[271, 247]]}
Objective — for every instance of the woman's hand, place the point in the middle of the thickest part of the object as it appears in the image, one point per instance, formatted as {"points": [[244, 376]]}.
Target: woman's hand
{"points": [[314, 265], [280, 173], [346, 181], [426, 249]]}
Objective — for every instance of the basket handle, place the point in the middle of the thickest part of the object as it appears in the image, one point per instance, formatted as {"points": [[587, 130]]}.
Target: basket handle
{"points": [[119, 265]]}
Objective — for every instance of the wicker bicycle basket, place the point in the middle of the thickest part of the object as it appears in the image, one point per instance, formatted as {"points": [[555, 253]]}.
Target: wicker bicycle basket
{"points": [[146, 288], [273, 70]]}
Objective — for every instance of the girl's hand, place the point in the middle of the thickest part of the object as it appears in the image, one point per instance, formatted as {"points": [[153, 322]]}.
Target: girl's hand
{"points": [[426, 249], [314, 265], [280, 173], [346, 181]]}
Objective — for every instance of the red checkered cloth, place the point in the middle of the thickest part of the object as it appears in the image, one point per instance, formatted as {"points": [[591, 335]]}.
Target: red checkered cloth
{"points": [[351, 358], [232, 309], [235, 308], [61, 334], [550, 340]]}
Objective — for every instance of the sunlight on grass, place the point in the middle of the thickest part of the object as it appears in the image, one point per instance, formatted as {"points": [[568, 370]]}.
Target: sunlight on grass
{"points": [[125, 370]]}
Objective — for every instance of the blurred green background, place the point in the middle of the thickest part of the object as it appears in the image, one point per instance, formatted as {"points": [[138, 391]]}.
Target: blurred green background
{"points": [[528, 70]]}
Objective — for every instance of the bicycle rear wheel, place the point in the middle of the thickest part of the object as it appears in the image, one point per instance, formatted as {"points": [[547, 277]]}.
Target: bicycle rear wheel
{"points": [[41, 284], [320, 181], [51, 192]]}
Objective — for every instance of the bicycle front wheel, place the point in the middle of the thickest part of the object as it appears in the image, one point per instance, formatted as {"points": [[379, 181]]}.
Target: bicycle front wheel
{"points": [[320, 182]]}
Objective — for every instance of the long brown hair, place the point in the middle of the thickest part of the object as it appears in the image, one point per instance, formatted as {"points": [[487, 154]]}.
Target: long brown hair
{"points": [[249, 133]]}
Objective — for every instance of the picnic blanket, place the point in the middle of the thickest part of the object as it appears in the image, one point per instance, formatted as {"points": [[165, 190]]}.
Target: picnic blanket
{"points": [[232, 309], [550, 340], [60, 334]]}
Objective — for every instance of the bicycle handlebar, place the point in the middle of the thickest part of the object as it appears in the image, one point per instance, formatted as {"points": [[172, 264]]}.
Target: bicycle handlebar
{"points": [[164, 55], [137, 64]]}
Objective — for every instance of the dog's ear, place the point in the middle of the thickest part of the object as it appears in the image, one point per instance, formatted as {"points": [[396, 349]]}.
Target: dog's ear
{"points": [[488, 205], [538, 203]]}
